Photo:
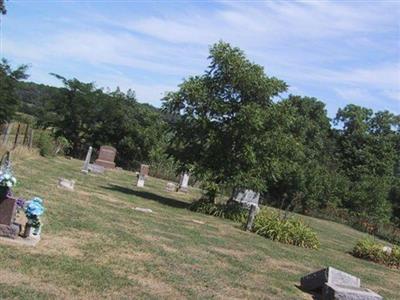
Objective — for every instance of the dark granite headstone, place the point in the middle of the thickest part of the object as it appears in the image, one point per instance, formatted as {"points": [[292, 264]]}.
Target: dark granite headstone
{"points": [[106, 157], [8, 208]]}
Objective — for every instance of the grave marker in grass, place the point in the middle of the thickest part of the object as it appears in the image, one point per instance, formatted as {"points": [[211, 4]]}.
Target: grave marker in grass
{"points": [[106, 157], [85, 168]]}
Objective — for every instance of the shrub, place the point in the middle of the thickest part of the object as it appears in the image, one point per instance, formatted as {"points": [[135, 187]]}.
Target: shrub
{"points": [[231, 211], [374, 251], [286, 230], [45, 143]]}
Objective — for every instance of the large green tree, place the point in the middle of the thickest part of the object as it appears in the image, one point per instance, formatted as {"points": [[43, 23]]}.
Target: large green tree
{"points": [[226, 126], [8, 81], [367, 153]]}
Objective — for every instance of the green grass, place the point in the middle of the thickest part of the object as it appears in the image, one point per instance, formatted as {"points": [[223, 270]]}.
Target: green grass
{"points": [[94, 245]]}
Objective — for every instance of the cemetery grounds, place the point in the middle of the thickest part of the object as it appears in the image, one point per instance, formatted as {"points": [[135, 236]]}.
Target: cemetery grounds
{"points": [[95, 245]]}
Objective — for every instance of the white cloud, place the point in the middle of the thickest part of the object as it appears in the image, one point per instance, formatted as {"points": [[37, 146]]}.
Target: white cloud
{"points": [[349, 48]]}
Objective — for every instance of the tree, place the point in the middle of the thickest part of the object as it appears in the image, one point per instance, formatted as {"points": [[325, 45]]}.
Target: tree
{"points": [[8, 82], [368, 155], [308, 183], [3, 9], [88, 116], [225, 121]]}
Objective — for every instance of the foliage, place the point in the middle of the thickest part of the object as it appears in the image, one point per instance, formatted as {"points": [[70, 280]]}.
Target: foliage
{"points": [[8, 82], [285, 230], [45, 143], [87, 116], [372, 250], [224, 121], [3, 9], [61, 145], [230, 211]]}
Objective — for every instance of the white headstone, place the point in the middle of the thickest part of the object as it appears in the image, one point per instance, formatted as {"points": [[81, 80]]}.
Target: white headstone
{"points": [[85, 168], [140, 182], [184, 182], [66, 184], [146, 210], [247, 197]]}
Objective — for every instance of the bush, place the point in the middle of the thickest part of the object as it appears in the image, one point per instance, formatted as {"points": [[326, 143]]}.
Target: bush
{"points": [[231, 211], [285, 230], [45, 144], [371, 250]]}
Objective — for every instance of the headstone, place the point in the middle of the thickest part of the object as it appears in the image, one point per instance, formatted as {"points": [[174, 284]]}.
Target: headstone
{"points": [[106, 157], [66, 184], [140, 181], [8, 208], [246, 197], [198, 222], [146, 210], [170, 187], [85, 168], [333, 291], [144, 170], [96, 168], [317, 279], [184, 182]]}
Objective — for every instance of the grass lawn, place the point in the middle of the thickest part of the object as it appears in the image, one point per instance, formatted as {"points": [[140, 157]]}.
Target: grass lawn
{"points": [[94, 245]]}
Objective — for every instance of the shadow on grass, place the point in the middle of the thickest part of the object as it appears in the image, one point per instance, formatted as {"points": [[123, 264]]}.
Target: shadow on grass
{"points": [[316, 295], [148, 195]]}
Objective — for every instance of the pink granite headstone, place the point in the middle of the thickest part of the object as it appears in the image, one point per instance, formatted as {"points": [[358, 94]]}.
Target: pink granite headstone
{"points": [[106, 157]]}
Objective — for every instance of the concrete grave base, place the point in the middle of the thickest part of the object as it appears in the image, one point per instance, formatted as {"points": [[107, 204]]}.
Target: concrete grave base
{"points": [[96, 169], [9, 231], [30, 241], [333, 291]]}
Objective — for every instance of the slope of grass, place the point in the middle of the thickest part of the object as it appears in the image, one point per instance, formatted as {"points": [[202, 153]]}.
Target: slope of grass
{"points": [[94, 245]]}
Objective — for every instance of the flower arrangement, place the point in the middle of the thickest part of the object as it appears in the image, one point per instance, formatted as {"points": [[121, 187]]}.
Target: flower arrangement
{"points": [[7, 179], [33, 210]]}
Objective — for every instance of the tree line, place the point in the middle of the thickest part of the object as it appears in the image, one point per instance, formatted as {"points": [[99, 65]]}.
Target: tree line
{"points": [[231, 127]]}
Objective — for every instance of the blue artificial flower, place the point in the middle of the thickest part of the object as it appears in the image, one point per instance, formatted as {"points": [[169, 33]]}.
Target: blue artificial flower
{"points": [[34, 207]]}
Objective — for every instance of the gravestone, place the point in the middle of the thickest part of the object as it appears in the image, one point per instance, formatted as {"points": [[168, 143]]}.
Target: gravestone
{"points": [[140, 181], [146, 210], [184, 182], [66, 184], [144, 170], [247, 198], [85, 168], [316, 280], [106, 157], [170, 187], [333, 291], [8, 208], [96, 168]]}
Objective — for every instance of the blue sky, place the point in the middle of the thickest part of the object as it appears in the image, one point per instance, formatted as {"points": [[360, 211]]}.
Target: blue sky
{"points": [[340, 52]]}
